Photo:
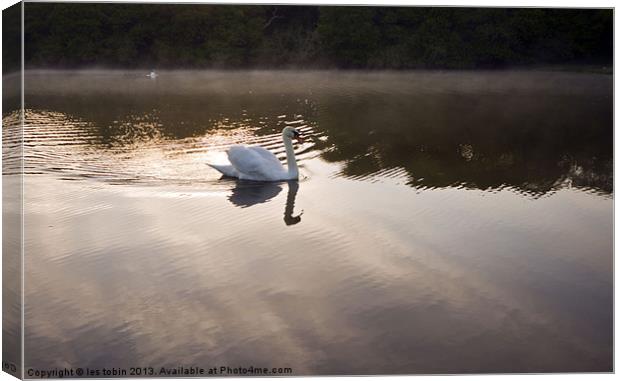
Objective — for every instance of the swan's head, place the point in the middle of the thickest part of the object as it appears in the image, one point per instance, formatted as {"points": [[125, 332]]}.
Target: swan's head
{"points": [[292, 133]]}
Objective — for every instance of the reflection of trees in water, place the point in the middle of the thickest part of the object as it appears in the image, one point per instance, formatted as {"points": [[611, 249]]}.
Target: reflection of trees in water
{"points": [[535, 145], [532, 131], [128, 119], [442, 143]]}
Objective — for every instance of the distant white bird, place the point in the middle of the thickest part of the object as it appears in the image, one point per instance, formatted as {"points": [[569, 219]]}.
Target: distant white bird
{"points": [[152, 74], [259, 164]]}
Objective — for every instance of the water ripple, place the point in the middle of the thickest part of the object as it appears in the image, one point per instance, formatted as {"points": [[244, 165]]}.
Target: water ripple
{"points": [[137, 152]]}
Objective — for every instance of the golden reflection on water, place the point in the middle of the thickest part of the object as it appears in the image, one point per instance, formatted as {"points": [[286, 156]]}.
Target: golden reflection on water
{"points": [[410, 245]]}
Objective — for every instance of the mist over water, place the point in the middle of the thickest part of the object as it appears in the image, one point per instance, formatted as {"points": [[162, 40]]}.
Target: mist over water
{"points": [[444, 221]]}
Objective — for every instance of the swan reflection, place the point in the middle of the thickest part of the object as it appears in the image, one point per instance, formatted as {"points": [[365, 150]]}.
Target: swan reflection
{"points": [[289, 218], [249, 193]]}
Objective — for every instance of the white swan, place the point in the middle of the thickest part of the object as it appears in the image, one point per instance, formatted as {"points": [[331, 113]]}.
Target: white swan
{"points": [[259, 164]]}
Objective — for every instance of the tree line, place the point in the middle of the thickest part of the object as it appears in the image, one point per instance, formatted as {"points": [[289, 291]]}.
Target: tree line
{"points": [[162, 36]]}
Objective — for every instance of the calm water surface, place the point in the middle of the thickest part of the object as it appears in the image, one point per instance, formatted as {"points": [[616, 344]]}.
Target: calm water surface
{"points": [[445, 222]]}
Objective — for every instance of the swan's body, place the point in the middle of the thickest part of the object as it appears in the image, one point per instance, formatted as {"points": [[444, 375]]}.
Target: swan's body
{"points": [[259, 164]]}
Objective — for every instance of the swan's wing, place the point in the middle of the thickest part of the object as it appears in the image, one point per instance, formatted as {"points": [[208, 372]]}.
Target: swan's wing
{"points": [[226, 170], [251, 164], [267, 156]]}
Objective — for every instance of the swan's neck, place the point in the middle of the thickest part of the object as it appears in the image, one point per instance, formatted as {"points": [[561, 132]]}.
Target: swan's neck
{"points": [[291, 162]]}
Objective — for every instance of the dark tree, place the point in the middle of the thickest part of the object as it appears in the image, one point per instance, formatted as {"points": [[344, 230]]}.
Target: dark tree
{"points": [[233, 36]]}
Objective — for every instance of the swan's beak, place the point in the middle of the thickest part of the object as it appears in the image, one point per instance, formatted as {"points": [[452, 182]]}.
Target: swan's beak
{"points": [[300, 139]]}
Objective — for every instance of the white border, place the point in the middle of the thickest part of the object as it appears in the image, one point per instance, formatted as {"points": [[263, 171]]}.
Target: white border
{"points": [[479, 3]]}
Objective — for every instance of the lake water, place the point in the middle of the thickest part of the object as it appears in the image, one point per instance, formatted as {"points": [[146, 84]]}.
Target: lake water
{"points": [[445, 222]]}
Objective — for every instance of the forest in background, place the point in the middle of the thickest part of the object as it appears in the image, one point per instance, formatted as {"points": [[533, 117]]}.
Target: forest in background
{"points": [[166, 36]]}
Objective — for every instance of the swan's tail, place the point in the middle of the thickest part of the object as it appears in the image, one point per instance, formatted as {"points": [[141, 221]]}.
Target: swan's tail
{"points": [[226, 170]]}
